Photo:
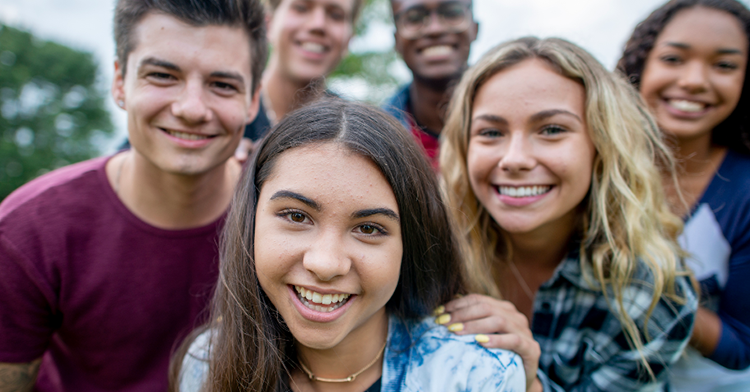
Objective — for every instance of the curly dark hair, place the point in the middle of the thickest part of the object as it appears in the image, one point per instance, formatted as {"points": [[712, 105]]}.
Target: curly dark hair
{"points": [[734, 131]]}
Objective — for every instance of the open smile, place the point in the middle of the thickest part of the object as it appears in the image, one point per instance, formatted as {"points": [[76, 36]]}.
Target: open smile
{"points": [[523, 191], [186, 135], [320, 302]]}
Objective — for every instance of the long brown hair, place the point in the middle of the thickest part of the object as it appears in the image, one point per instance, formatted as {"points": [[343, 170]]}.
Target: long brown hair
{"points": [[251, 347]]}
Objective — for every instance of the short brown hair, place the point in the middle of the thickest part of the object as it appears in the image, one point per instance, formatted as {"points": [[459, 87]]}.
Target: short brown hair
{"points": [[247, 14]]}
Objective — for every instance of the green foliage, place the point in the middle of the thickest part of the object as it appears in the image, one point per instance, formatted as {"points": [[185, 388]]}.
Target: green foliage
{"points": [[51, 111], [370, 70]]}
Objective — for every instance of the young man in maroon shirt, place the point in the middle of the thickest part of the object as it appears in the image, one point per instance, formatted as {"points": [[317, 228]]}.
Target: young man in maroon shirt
{"points": [[106, 264]]}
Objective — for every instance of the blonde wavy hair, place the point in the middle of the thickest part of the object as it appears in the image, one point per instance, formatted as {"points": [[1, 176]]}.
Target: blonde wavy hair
{"points": [[625, 218]]}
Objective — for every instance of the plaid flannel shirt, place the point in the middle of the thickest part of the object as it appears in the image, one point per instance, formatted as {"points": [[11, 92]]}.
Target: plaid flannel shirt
{"points": [[583, 344]]}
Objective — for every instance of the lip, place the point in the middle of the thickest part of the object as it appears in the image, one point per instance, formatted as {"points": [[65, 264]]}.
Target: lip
{"points": [[187, 143], [520, 201], [314, 315]]}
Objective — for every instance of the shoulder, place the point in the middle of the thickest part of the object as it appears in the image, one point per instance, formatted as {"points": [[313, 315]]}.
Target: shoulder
{"points": [[397, 104], [439, 360], [194, 370], [54, 188]]}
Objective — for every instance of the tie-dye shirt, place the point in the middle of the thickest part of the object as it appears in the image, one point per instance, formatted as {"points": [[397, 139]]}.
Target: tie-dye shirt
{"points": [[420, 357]]}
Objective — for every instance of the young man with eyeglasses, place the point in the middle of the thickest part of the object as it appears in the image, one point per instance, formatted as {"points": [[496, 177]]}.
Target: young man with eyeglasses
{"points": [[433, 37]]}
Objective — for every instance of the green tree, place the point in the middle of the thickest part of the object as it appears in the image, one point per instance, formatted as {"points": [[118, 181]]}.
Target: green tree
{"points": [[371, 71], [51, 111]]}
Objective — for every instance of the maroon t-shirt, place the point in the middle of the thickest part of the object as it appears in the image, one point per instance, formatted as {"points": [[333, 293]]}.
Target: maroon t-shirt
{"points": [[102, 295]]}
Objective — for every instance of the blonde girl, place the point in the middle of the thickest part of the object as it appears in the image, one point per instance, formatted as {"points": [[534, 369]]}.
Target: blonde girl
{"points": [[550, 168]]}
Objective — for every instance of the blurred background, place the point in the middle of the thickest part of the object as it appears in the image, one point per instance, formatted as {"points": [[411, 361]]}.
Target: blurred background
{"points": [[56, 64]]}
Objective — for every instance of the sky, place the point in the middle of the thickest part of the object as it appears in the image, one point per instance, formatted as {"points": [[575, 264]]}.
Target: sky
{"points": [[599, 26]]}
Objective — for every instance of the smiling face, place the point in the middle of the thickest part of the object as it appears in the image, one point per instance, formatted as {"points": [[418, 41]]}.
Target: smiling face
{"points": [[439, 53], [310, 37], [530, 155], [328, 244], [187, 92], [693, 76]]}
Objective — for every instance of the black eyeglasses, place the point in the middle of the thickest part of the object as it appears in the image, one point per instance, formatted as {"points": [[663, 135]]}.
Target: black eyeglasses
{"points": [[452, 15]]}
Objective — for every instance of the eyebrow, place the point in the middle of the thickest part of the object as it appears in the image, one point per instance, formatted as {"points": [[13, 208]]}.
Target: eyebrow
{"points": [[387, 212], [684, 46], [534, 118], [543, 115], [296, 196], [158, 63], [166, 64]]}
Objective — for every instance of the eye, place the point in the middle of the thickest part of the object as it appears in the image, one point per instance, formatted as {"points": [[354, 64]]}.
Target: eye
{"points": [[671, 59], [160, 76], [294, 216], [370, 229], [490, 133], [300, 7], [726, 65], [337, 14], [226, 87], [553, 130]]}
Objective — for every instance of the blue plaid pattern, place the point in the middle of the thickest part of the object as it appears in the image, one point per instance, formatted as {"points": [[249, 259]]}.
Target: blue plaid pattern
{"points": [[582, 341]]}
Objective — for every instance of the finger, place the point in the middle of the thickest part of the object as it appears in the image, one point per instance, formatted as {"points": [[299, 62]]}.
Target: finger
{"points": [[465, 301], [243, 149], [488, 311]]}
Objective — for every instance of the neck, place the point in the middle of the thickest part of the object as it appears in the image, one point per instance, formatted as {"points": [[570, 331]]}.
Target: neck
{"points": [[544, 248], [694, 154], [351, 355], [286, 94], [428, 103], [171, 201]]}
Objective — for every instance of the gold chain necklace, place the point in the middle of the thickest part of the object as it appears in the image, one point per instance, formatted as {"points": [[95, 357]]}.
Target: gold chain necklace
{"points": [[347, 379]]}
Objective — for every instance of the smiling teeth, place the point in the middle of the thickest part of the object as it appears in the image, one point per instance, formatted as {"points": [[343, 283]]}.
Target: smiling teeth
{"points": [[686, 106], [313, 300], [523, 191], [440, 50], [186, 136], [313, 47]]}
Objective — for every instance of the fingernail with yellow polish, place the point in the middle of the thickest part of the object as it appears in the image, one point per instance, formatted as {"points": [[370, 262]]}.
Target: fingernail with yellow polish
{"points": [[443, 319], [456, 327], [482, 338], [438, 311]]}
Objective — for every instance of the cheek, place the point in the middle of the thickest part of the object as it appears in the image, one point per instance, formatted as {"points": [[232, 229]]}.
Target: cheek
{"points": [[480, 161]]}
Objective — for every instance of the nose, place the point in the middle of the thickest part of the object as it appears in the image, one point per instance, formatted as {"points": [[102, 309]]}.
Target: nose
{"points": [[190, 105], [694, 77], [434, 27], [518, 155], [327, 257], [317, 19]]}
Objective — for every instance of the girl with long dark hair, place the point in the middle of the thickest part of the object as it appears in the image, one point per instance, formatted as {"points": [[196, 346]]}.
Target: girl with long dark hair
{"points": [[336, 248]]}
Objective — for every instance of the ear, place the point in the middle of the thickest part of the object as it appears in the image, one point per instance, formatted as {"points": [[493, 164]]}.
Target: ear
{"points": [[118, 86], [252, 110], [474, 28]]}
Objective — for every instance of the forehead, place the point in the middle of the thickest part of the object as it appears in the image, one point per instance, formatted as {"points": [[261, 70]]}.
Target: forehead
{"points": [[330, 173], [528, 87], [404, 4], [347, 5], [211, 47], [715, 26]]}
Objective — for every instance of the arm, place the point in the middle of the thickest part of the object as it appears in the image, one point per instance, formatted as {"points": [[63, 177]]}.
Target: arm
{"points": [[504, 326], [18, 377]]}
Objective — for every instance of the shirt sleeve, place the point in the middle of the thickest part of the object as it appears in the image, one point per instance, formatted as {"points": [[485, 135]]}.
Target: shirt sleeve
{"points": [[733, 350], [27, 310]]}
